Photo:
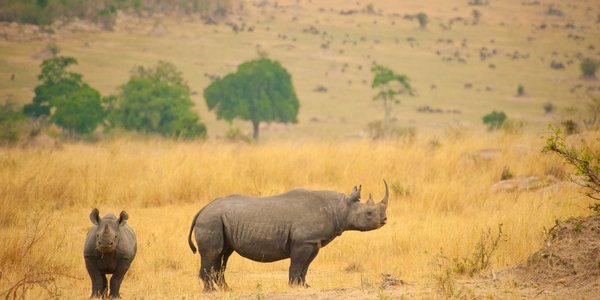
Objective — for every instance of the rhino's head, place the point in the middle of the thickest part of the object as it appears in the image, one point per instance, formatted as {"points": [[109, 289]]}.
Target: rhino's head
{"points": [[366, 216], [107, 234]]}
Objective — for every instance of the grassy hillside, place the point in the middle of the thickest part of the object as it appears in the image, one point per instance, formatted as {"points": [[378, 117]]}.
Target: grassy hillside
{"points": [[319, 45], [441, 200]]}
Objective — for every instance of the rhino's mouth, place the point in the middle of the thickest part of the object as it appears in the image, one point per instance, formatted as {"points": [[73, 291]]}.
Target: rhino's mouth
{"points": [[105, 250], [384, 221]]}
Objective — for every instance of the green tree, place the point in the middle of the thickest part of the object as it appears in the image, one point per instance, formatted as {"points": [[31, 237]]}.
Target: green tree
{"points": [[63, 96], [494, 120], [390, 85], [258, 91], [156, 100]]}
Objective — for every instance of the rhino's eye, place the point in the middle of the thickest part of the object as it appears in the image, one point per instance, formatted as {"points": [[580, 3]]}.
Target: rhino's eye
{"points": [[115, 236]]}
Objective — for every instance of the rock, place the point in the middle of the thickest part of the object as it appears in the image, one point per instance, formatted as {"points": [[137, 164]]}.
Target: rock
{"points": [[529, 183]]}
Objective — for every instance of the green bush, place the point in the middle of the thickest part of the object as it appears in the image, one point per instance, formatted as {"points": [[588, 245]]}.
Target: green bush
{"points": [[548, 107], [494, 120], [571, 127], [422, 18], [585, 160], [44, 12], [13, 124], [520, 90], [588, 68]]}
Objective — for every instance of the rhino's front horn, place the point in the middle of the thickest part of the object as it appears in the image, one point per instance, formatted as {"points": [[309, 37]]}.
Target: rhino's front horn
{"points": [[387, 194], [106, 230]]}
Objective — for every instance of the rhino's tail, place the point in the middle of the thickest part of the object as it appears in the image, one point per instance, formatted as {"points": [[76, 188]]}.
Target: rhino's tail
{"points": [[190, 234]]}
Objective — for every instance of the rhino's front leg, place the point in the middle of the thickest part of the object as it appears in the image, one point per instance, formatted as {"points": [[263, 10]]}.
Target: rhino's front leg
{"points": [[301, 256], [117, 278], [98, 278]]}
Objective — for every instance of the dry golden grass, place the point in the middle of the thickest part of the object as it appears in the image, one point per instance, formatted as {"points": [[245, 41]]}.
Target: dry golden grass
{"points": [[162, 184]]}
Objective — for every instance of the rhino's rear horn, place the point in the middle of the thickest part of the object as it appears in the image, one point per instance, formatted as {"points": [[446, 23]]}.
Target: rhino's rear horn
{"points": [[370, 200], [387, 194]]}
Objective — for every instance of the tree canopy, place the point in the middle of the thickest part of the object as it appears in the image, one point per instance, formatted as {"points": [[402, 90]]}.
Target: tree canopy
{"points": [[258, 91], [156, 100], [63, 96]]}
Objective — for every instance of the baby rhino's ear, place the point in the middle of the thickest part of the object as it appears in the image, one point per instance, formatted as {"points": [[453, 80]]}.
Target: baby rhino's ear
{"points": [[123, 217], [95, 216]]}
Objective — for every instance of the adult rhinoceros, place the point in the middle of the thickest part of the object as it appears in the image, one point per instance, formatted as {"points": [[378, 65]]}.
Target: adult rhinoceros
{"points": [[109, 248], [292, 225]]}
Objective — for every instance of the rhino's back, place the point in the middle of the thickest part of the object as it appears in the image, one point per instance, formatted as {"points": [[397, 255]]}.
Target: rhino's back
{"points": [[263, 228]]}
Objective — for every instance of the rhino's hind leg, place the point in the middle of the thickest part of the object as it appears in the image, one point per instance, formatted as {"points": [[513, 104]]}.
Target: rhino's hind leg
{"points": [[301, 256], [208, 273], [220, 280], [211, 256]]}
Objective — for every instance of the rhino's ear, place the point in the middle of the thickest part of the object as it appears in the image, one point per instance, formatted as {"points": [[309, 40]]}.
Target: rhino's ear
{"points": [[355, 195], [95, 216], [123, 217]]}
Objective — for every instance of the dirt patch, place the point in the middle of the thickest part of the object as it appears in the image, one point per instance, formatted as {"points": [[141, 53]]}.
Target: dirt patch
{"points": [[569, 262]]}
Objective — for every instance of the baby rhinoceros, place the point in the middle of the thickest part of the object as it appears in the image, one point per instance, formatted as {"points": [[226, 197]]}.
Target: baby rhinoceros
{"points": [[109, 248], [294, 225]]}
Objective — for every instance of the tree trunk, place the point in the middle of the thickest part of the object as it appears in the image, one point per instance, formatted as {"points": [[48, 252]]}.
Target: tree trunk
{"points": [[386, 116], [255, 128]]}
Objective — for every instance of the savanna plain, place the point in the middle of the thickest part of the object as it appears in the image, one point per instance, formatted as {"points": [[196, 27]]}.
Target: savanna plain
{"points": [[443, 206]]}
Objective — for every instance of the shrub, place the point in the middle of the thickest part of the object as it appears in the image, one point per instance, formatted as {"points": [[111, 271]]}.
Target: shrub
{"points": [[235, 134], [422, 18], [520, 90], [548, 107], [585, 161], [512, 126], [494, 120], [506, 174], [13, 124], [588, 68], [571, 127]]}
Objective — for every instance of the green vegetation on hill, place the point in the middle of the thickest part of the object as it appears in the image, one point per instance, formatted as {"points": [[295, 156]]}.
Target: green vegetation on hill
{"points": [[459, 71], [44, 12]]}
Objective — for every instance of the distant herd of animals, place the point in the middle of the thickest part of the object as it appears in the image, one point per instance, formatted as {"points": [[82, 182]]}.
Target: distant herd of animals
{"points": [[294, 225]]}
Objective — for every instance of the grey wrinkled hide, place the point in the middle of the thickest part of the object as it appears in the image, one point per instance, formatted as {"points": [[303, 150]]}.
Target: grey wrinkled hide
{"points": [[109, 248], [292, 225]]}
